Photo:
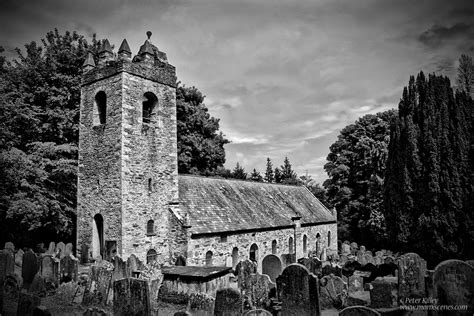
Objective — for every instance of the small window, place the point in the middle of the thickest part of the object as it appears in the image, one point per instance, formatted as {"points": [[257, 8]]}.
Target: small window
{"points": [[329, 238], [100, 109], [305, 244], [274, 247], [290, 245], [235, 257], [318, 243], [149, 107], [150, 256], [150, 227], [150, 185], [209, 258], [253, 255]]}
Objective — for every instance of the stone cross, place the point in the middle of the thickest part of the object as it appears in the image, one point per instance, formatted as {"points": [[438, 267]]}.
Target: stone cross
{"points": [[259, 289], [228, 302], [244, 269], [333, 292]]}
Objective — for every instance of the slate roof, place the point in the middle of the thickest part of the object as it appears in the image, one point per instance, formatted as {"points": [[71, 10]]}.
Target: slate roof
{"points": [[218, 205]]}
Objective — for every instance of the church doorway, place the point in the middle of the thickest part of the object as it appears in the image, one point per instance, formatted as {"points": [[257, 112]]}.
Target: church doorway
{"points": [[271, 266], [98, 236]]}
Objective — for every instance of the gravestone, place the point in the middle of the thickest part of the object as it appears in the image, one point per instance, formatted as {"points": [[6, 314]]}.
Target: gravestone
{"points": [[37, 287], [10, 247], [120, 269], [84, 253], [288, 258], [343, 259], [346, 248], [411, 276], [271, 266], [50, 269], [98, 286], [258, 312], [323, 256], [359, 311], [368, 258], [244, 269], [51, 248], [61, 249], [259, 289], [19, 257], [313, 265], [354, 248], [298, 291], [69, 250], [134, 264], [384, 293], [11, 291], [355, 282], [131, 297], [453, 284], [378, 258], [27, 303], [68, 269], [29, 268], [332, 292], [7, 265], [228, 302]]}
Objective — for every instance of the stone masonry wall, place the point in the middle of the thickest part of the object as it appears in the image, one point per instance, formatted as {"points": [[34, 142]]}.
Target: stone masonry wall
{"points": [[99, 190], [222, 250]]}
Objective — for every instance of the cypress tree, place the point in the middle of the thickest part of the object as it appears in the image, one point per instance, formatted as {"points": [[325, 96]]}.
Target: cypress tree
{"points": [[269, 177]]}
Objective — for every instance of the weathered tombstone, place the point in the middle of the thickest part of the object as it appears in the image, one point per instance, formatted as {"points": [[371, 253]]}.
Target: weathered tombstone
{"points": [[298, 291], [259, 289], [61, 249], [98, 286], [11, 290], [354, 248], [29, 268], [332, 292], [411, 276], [453, 284], [27, 303], [68, 269], [37, 287], [313, 265], [271, 266], [346, 248], [9, 246], [258, 312], [120, 269], [50, 269], [343, 259], [131, 297], [134, 264], [228, 302], [19, 257], [384, 293], [7, 265], [359, 311], [355, 282], [378, 258], [84, 253], [69, 249], [51, 248], [244, 269], [323, 256], [368, 258]]}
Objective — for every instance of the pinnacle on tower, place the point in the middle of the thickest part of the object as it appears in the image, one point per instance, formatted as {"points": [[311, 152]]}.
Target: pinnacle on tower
{"points": [[105, 53], [89, 62], [106, 47], [124, 51]]}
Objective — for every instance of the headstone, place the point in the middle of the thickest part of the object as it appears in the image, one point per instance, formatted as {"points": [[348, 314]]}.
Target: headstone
{"points": [[37, 287], [368, 258], [84, 253], [228, 302], [411, 276], [384, 293], [68, 269], [272, 266], [244, 269], [355, 282], [120, 269], [258, 312], [131, 297], [19, 257], [50, 269], [298, 291], [260, 285], [323, 254], [61, 249], [11, 291], [354, 248], [27, 303], [134, 264], [29, 268], [69, 250], [41, 311], [378, 258], [7, 265], [346, 249], [359, 311], [331, 269], [332, 292], [51, 248], [10, 247], [313, 265], [98, 286], [453, 284]]}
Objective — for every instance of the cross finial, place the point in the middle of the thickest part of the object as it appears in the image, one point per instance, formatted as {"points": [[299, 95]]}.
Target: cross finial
{"points": [[148, 34]]}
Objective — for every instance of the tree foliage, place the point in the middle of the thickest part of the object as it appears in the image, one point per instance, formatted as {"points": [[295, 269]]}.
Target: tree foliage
{"points": [[429, 183], [356, 169], [239, 172], [288, 175], [269, 176], [465, 75], [256, 176]]}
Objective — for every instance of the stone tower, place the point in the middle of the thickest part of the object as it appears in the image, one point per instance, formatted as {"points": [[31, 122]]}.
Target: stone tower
{"points": [[128, 174]]}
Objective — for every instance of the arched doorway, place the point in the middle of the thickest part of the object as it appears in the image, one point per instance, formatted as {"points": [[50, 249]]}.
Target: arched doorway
{"points": [[271, 266], [98, 236]]}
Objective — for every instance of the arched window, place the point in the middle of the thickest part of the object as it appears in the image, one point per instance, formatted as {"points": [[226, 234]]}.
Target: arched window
{"points": [[274, 247], [150, 256], [318, 243], [100, 109], [290, 245], [150, 185], [150, 227], [253, 255], [305, 244], [150, 105], [209, 258], [235, 257], [329, 238]]}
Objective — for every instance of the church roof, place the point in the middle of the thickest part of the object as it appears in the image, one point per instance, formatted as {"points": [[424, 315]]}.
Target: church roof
{"points": [[217, 205]]}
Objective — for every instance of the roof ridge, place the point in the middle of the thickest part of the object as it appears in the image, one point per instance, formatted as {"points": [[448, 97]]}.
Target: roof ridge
{"points": [[241, 180]]}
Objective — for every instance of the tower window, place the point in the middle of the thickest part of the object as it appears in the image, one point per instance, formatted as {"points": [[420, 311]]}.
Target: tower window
{"points": [[150, 256], [150, 227], [253, 255], [150, 105], [209, 258], [274, 247], [100, 108], [329, 238], [290, 245]]}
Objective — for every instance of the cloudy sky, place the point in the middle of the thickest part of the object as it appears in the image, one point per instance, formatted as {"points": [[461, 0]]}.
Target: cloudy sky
{"points": [[283, 76]]}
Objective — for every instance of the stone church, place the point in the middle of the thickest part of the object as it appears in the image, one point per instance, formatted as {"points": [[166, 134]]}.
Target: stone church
{"points": [[131, 199]]}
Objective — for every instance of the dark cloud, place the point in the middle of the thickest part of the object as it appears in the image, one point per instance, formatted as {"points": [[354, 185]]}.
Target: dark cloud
{"points": [[439, 35]]}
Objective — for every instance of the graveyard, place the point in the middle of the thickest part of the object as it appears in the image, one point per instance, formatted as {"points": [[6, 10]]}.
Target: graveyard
{"points": [[353, 281]]}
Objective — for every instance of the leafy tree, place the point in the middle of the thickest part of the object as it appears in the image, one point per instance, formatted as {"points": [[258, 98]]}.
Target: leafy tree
{"points": [[277, 175], [288, 176], [315, 188], [200, 145], [269, 176], [465, 75], [356, 169], [223, 172], [239, 172], [429, 185], [255, 176]]}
